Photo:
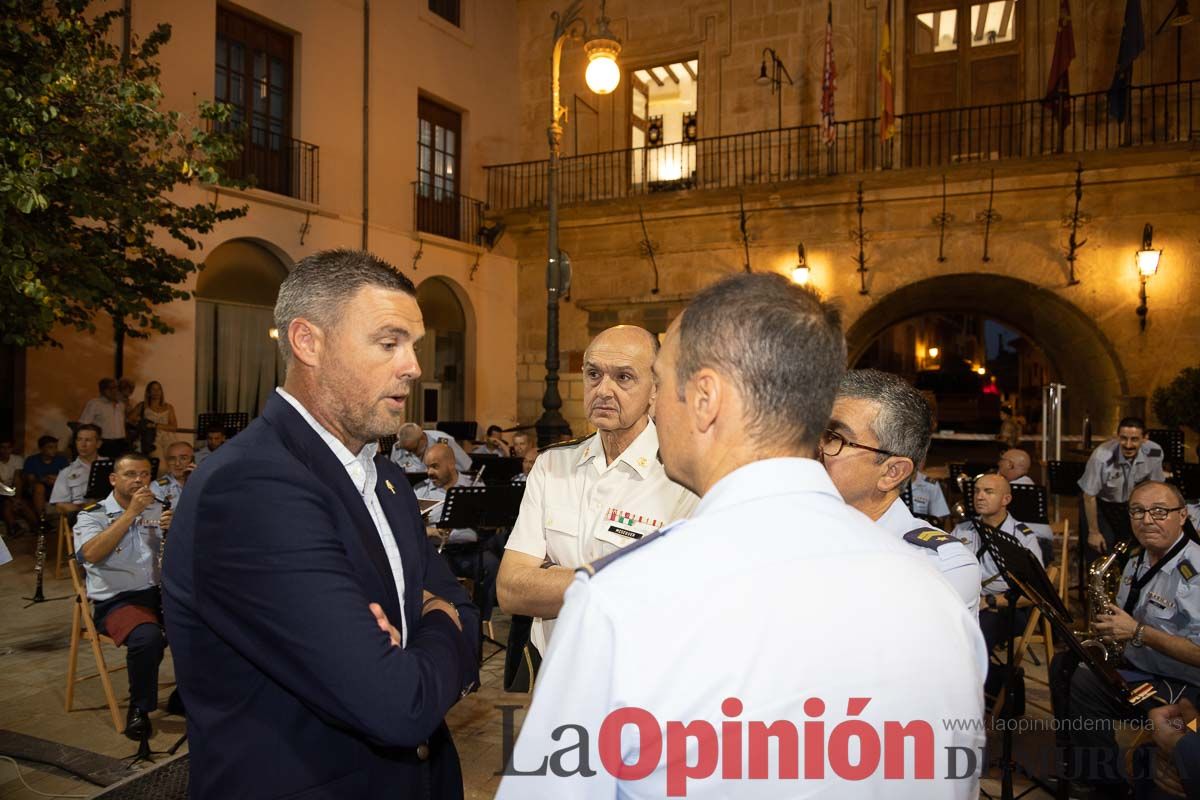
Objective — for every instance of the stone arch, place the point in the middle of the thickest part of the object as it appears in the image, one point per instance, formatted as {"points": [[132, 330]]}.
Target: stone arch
{"points": [[447, 353], [1084, 358]]}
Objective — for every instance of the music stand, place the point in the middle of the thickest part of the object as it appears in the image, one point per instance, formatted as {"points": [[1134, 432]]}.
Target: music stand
{"points": [[1171, 442], [499, 469], [1187, 478], [480, 507], [463, 431], [415, 478], [1029, 503], [1064, 477], [1026, 577], [98, 486]]}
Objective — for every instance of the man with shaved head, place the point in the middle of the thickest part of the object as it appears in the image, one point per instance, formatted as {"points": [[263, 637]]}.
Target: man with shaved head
{"points": [[589, 497], [1014, 466], [459, 548], [991, 498]]}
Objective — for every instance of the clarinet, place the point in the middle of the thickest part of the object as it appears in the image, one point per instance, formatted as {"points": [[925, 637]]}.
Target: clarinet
{"points": [[162, 534], [40, 564]]}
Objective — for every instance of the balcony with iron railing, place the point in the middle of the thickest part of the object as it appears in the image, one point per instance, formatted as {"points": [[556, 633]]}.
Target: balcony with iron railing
{"points": [[1157, 114], [276, 163], [442, 212]]}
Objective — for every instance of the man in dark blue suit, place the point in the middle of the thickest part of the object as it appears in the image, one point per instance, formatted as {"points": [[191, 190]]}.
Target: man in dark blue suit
{"points": [[318, 638]]}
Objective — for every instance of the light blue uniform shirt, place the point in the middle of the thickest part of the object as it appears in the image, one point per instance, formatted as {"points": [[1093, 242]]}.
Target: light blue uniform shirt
{"points": [[134, 563], [992, 581], [411, 462], [1111, 477], [71, 484], [1170, 602], [928, 498], [428, 490], [167, 486], [773, 592]]}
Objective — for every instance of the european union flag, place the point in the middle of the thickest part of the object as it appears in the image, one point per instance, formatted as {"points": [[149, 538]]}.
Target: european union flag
{"points": [[1133, 42]]}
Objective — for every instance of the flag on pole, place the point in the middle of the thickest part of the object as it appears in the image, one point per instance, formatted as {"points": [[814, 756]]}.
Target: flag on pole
{"points": [[887, 91], [1133, 42], [828, 83], [1058, 88]]}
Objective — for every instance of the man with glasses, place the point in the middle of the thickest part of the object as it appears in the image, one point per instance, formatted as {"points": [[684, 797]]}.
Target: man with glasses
{"points": [[878, 432], [179, 466], [1157, 617]]}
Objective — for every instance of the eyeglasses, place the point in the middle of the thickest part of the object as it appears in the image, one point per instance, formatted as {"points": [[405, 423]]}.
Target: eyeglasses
{"points": [[1156, 513], [832, 443]]}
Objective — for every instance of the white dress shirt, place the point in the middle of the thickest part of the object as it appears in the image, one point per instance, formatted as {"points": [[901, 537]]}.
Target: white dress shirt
{"points": [[775, 593], [577, 508], [362, 472], [108, 415]]}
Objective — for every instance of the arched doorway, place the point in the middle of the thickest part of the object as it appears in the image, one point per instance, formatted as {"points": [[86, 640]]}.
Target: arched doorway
{"points": [[442, 354], [237, 361], [1079, 353]]}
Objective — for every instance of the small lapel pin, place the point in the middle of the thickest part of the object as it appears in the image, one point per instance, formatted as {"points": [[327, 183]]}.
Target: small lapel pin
{"points": [[641, 462], [391, 488]]}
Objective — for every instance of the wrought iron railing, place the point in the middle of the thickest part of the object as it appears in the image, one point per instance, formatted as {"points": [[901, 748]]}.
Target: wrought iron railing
{"points": [[445, 213], [277, 163], [1157, 114]]}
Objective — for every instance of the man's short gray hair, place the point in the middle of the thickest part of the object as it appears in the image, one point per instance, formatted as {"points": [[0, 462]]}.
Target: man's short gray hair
{"points": [[320, 285], [779, 342], [904, 424]]}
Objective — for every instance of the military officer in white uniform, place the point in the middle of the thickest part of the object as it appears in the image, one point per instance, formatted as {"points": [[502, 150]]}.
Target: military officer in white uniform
{"points": [[1156, 616], [588, 498], [70, 487], [669, 652], [412, 442], [179, 465], [1113, 470], [878, 432], [118, 542]]}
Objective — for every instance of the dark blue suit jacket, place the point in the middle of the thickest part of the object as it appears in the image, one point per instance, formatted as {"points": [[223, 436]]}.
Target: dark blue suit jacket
{"points": [[291, 688]]}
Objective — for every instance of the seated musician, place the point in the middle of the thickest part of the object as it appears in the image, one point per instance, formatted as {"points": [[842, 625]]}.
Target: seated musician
{"points": [[118, 541], [991, 498], [466, 561], [1157, 618]]}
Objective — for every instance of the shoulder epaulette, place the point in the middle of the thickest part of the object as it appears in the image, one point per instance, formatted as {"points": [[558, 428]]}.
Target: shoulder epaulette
{"points": [[164, 481], [1025, 529], [1186, 569], [929, 537], [568, 443], [1154, 452], [592, 568], [92, 507]]}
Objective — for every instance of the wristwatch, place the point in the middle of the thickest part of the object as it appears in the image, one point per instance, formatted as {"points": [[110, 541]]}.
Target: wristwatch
{"points": [[1136, 641]]}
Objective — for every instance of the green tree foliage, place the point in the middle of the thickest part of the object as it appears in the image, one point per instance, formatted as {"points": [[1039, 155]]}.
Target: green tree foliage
{"points": [[88, 162], [1178, 403]]}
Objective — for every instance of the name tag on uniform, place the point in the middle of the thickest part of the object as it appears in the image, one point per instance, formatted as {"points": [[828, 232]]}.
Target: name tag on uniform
{"points": [[1158, 600]]}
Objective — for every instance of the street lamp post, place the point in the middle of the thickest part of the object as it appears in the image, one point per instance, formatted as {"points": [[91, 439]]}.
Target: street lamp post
{"points": [[602, 77]]}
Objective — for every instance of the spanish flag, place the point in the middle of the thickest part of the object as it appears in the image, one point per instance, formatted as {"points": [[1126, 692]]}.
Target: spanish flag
{"points": [[887, 91]]}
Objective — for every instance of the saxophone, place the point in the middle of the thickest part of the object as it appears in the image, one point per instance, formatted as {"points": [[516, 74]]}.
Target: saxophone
{"points": [[1104, 580]]}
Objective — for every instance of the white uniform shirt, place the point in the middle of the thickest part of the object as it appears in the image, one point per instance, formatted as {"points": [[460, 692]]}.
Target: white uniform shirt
{"points": [[428, 490], [949, 555], [577, 509], [992, 581], [775, 593], [411, 462], [928, 498], [106, 414], [71, 484], [133, 564], [1023, 480], [362, 472], [1111, 477]]}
